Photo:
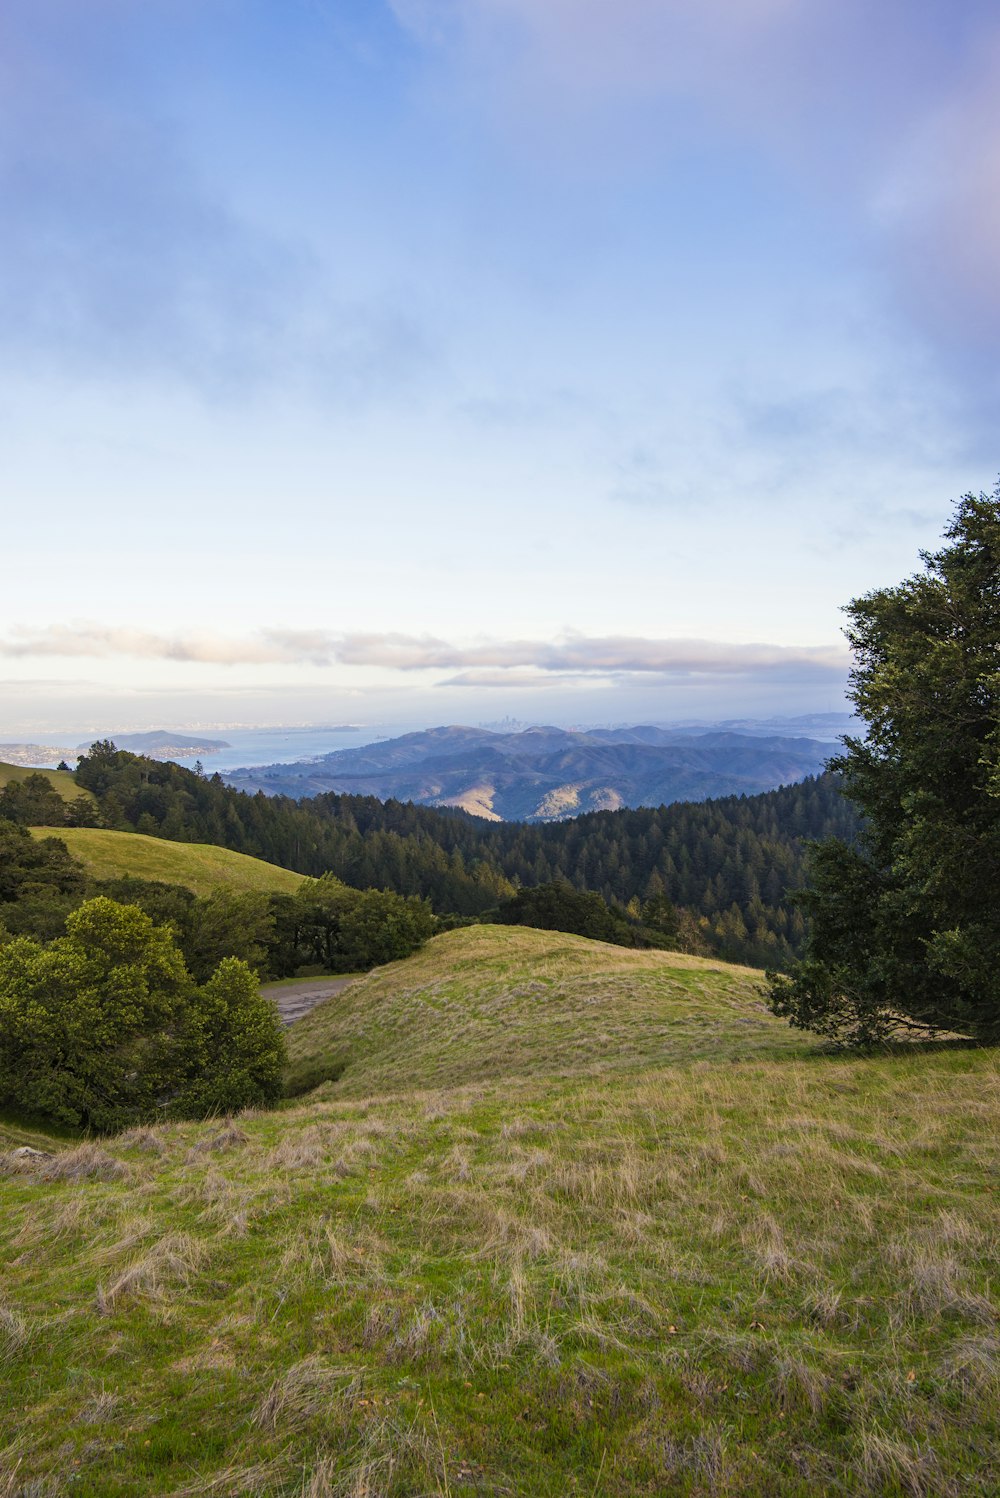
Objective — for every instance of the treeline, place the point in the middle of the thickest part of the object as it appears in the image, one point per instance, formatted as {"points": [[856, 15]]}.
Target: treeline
{"points": [[728, 866], [105, 1026], [325, 924]]}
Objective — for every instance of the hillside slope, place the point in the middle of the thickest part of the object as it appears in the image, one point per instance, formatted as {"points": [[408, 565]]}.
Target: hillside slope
{"points": [[61, 781], [200, 867], [598, 1273], [491, 1002]]}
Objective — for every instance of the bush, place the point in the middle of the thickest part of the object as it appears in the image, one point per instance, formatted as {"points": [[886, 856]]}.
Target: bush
{"points": [[105, 1026], [559, 907]]}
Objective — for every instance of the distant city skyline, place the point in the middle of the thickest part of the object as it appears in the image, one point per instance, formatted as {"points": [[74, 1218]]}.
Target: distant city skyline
{"points": [[436, 361]]}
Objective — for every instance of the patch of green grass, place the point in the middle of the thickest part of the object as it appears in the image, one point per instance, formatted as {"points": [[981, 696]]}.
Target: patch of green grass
{"points": [[758, 1279], [201, 867], [660, 1274], [60, 781], [496, 1001]]}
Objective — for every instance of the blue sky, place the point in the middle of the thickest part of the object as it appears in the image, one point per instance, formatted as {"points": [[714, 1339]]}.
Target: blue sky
{"points": [[431, 360]]}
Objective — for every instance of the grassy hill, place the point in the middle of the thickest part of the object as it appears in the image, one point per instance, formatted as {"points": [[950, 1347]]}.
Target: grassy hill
{"points": [[572, 1220], [493, 1002], [200, 866], [61, 781]]}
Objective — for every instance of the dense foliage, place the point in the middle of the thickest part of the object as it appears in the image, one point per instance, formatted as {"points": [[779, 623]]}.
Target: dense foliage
{"points": [[34, 802], [727, 865], [905, 927], [342, 930], [105, 1026], [325, 924], [40, 883], [557, 906]]}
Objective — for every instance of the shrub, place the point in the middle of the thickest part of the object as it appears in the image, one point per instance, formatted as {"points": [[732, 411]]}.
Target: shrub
{"points": [[105, 1026]]}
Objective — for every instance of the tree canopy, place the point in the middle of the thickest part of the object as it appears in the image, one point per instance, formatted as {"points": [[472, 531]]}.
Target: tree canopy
{"points": [[725, 865], [905, 924], [105, 1026]]}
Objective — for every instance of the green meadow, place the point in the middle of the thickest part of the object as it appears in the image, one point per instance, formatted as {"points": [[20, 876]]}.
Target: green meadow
{"points": [[201, 867], [61, 781], [564, 1218]]}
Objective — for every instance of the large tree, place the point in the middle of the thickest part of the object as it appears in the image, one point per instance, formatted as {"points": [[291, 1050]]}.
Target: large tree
{"points": [[906, 924], [105, 1026]]}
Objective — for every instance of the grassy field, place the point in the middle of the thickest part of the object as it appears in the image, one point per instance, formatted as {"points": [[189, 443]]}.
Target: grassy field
{"points": [[200, 866], [60, 780], [656, 1245], [488, 1002]]}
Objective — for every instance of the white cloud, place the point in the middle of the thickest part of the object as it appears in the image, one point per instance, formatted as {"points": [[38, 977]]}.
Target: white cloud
{"points": [[489, 663]]}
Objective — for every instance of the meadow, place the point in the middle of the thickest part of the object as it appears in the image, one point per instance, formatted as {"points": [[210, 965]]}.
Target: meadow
{"points": [[200, 867], [566, 1219], [61, 781]]}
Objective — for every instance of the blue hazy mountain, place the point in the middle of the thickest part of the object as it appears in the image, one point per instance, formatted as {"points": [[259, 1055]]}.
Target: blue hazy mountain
{"points": [[545, 773]]}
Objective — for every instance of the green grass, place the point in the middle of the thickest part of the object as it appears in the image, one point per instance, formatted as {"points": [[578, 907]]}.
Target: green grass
{"points": [[489, 1002], [60, 780], [615, 1259], [201, 867]]}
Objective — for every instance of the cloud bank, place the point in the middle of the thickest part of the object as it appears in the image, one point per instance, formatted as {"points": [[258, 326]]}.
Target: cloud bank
{"points": [[483, 663]]}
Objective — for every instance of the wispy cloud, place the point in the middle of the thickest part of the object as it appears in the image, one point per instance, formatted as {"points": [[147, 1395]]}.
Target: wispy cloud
{"points": [[492, 662], [887, 116], [121, 258]]}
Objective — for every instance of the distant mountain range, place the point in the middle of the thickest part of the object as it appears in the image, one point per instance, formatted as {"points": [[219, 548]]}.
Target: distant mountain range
{"points": [[547, 774]]}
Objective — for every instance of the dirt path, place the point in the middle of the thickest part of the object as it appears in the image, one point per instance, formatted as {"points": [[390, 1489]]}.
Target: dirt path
{"points": [[296, 999]]}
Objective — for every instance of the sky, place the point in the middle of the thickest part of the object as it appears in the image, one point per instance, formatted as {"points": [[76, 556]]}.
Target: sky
{"points": [[431, 361]]}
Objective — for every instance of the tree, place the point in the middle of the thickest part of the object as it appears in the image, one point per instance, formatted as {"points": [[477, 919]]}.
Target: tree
{"points": [[330, 925], [236, 1041], [905, 925], [105, 1026], [33, 802], [40, 883], [227, 923], [661, 913], [557, 906]]}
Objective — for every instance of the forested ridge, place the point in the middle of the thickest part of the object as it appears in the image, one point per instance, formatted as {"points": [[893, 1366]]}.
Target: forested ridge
{"points": [[729, 865]]}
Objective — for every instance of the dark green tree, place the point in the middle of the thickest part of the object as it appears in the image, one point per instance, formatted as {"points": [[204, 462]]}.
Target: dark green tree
{"points": [[33, 802], [557, 906], [906, 924], [227, 923], [660, 913], [40, 883], [105, 1026]]}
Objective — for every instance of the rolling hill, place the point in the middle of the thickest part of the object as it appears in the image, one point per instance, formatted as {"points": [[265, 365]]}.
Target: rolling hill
{"points": [[489, 1002], [61, 781], [548, 774], [656, 1244], [200, 867]]}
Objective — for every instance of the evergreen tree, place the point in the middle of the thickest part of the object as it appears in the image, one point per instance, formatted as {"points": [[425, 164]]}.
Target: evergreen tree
{"points": [[905, 925]]}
